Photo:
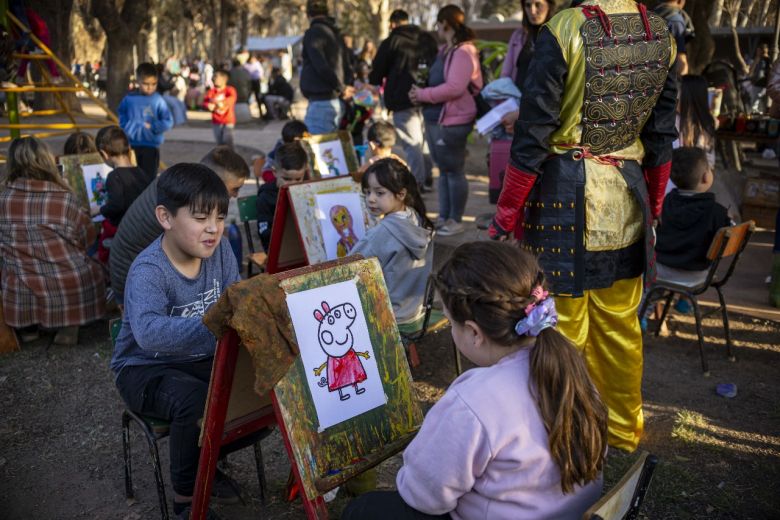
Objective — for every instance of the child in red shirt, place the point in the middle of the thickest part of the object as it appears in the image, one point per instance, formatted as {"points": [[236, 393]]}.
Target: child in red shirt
{"points": [[221, 102]]}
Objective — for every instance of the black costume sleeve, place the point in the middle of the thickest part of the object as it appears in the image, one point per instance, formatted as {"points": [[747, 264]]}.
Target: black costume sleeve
{"points": [[540, 106], [660, 131]]}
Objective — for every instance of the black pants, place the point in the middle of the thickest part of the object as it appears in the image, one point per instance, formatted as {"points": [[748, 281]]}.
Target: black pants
{"points": [[384, 505], [258, 95], [148, 159], [176, 393]]}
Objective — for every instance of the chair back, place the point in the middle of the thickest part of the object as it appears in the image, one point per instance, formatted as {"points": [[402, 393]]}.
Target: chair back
{"points": [[729, 241], [247, 208], [625, 498]]}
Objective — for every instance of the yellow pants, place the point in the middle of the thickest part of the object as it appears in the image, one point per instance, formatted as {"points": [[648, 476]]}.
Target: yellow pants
{"points": [[603, 325]]}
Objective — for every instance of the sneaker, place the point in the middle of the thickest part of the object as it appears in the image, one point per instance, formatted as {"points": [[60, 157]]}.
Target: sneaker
{"points": [[28, 334], [451, 228], [439, 222], [224, 490], [682, 306]]}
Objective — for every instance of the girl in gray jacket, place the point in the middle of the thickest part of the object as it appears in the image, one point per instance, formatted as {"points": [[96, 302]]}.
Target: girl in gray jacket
{"points": [[402, 241]]}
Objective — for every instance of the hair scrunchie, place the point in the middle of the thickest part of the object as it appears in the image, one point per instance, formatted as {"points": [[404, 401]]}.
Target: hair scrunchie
{"points": [[539, 315]]}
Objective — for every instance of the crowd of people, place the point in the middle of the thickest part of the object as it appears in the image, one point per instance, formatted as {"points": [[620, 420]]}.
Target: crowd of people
{"points": [[602, 175]]}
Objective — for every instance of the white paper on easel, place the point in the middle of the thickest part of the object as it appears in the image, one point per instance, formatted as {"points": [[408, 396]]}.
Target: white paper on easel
{"points": [[493, 118], [95, 176], [336, 351]]}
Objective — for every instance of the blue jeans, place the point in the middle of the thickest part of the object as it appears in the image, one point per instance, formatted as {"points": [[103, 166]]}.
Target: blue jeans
{"points": [[224, 134], [409, 126], [322, 117], [448, 148]]}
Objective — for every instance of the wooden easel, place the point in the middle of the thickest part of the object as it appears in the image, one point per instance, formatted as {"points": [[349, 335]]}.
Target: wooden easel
{"points": [[8, 340], [320, 461], [293, 241]]}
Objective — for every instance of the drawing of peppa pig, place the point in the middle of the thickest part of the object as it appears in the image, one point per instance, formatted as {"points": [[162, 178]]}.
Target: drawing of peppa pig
{"points": [[336, 340], [341, 219]]}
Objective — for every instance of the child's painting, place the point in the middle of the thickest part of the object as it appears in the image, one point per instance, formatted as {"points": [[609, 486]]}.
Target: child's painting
{"points": [[331, 155], [87, 175], [336, 351], [342, 222]]}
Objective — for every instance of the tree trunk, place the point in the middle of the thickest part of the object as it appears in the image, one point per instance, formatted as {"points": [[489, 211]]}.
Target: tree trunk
{"points": [[121, 28], [717, 11], [119, 57], [702, 48], [152, 49], [57, 16], [746, 12]]}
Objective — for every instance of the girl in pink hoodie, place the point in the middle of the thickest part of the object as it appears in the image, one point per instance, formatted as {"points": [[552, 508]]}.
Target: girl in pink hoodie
{"points": [[524, 435], [449, 111]]}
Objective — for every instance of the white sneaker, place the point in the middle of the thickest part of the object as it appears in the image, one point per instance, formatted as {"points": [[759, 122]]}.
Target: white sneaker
{"points": [[450, 228], [439, 223]]}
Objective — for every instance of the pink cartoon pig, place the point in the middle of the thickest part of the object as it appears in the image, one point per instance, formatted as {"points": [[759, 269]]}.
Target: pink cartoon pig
{"points": [[336, 340]]}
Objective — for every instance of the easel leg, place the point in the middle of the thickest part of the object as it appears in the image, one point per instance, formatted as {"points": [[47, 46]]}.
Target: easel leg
{"points": [[214, 422]]}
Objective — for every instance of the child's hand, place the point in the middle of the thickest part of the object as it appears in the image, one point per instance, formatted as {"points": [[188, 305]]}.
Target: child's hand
{"points": [[349, 91], [211, 107], [148, 126]]}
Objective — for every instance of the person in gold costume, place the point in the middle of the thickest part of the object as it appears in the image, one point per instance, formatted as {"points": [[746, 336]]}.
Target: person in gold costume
{"points": [[590, 160]]}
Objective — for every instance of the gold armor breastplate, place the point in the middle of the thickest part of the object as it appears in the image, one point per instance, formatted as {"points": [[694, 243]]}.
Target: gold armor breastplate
{"points": [[624, 75]]}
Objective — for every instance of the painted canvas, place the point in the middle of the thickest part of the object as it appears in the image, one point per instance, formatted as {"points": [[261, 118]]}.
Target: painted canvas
{"points": [[312, 205], [342, 222], [331, 155], [336, 351], [87, 175], [329, 158]]}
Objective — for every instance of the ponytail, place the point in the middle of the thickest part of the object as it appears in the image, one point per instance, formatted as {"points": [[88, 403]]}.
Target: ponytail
{"points": [[571, 409]]}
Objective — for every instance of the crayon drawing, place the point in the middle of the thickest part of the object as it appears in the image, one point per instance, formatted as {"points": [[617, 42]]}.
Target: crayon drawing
{"points": [[87, 176], [329, 158], [336, 352], [342, 222]]}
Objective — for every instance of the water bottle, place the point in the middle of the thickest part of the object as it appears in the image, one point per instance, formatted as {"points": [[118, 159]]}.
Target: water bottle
{"points": [[234, 237]]}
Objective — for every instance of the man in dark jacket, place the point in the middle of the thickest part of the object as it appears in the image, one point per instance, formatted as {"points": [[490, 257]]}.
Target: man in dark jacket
{"points": [[240, 79], [397, 61], [326, 75], [279, 97]]}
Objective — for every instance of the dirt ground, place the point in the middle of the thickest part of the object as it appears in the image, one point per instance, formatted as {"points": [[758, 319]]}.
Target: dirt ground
{"points": [[61, 452]]}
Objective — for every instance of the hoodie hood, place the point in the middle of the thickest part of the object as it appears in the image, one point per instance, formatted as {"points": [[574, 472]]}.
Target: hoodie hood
{"points": [[414, 238]]}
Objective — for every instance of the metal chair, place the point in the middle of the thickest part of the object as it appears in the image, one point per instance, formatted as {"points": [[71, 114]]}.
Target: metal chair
{"points": [[625, 498], [728, 242], [247, 211]]}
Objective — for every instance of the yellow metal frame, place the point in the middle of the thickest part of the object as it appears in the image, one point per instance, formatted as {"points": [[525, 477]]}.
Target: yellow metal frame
{"points": [[47, 85]]}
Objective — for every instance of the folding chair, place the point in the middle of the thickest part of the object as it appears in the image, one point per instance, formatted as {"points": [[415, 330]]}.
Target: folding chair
{"points": [[625, 498], [154, 430], [247, 211], [433, 320], [728, 242]]}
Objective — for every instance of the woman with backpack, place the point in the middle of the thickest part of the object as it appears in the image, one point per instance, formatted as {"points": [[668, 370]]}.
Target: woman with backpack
{"points": [[449, 111]]}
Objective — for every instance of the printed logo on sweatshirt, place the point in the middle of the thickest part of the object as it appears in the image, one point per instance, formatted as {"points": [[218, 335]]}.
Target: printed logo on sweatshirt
{"points": [[199, 307]]}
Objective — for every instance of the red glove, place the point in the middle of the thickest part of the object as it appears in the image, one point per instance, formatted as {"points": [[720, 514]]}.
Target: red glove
{"points": [[656, 178], [510, 210]]}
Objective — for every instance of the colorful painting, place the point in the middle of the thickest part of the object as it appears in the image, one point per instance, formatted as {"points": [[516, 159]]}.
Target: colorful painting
{"points": [[331, 155], [312, 203], [87, 175], [371, 418], [336, 352], [342, 223]]}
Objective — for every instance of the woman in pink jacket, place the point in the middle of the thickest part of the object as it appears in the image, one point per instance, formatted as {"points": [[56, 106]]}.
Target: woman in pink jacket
{"points": [[449, 111]]}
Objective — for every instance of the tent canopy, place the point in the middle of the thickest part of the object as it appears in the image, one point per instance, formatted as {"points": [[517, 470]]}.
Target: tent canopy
{"points": [[271, 43]]}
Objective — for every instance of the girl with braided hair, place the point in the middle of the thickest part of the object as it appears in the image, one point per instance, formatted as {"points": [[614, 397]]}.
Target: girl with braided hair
{"points": [[524, 435]]}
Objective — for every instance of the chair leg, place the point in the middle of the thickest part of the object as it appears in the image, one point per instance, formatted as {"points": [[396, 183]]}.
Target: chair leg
{"points": [[665, 312], [126, 451], [700, 334], [158, 477], [726, 328], [260, 471]]}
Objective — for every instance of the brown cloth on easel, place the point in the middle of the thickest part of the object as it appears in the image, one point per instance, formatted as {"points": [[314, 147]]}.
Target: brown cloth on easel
{"points": [[257, 310]]}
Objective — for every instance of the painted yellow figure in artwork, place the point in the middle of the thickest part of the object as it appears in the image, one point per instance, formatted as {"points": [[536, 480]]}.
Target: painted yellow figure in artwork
{"points": [[341, 219]]}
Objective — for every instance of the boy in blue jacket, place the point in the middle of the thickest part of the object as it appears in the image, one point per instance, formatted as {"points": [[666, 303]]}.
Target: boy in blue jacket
{"points": [[145, 117]]}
